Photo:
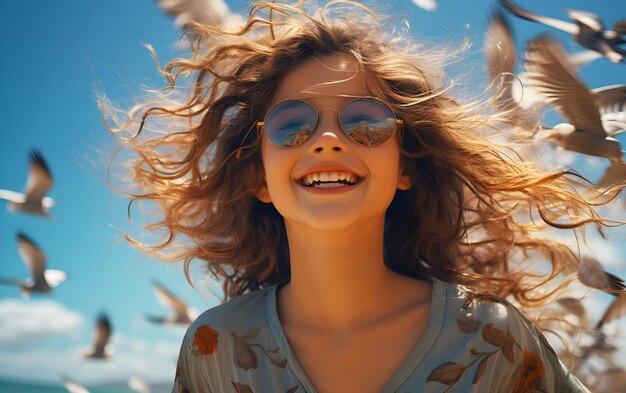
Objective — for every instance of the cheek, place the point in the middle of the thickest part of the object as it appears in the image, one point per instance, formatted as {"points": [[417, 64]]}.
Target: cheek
{"points": [[277, 164]]}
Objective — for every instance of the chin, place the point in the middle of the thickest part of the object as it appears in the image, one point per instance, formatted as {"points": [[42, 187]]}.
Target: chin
{"points": [[332, 220]]}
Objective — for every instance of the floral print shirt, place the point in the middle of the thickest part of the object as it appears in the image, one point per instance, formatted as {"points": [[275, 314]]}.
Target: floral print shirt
{"points": [[473, 342]]}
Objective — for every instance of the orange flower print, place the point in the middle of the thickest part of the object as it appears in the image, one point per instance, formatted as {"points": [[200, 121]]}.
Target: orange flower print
{"points": [[205, 339], [530, 373]]}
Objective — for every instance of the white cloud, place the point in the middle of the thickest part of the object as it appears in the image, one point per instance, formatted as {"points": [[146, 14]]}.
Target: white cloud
{"points": [[48, 336], [25, 322]]}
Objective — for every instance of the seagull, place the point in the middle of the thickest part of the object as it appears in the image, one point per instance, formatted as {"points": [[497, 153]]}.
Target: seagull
{"points": [[616, 310], [207, 12], [139, 385], [183, 314], [611, 101], [102, 335], [592, 274], [553, 76], [34, 199], [427, 5], [574, 306], [73, 386], [500, 59], [41, 280], [587, 30]]}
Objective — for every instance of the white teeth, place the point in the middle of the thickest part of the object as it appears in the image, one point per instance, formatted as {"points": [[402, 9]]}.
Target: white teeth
{"points": [[329, 179]]}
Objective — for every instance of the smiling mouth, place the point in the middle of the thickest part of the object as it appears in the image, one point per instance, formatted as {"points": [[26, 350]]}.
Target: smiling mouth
{"points": [[330, 179]]}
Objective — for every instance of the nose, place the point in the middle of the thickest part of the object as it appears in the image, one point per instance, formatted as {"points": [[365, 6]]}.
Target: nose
{"points": [[328, 136]]}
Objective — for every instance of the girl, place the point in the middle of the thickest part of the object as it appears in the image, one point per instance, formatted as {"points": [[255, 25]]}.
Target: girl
{"points": [[365, 229]]}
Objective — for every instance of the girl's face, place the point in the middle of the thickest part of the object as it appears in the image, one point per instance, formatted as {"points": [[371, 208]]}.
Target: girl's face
{"points": [[328, 83]]}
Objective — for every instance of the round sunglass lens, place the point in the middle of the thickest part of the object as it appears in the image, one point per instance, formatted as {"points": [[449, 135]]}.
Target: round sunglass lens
{"points": [[290, 123], [368, 121]]}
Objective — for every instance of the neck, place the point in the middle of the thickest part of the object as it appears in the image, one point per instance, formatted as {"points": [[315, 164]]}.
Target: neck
{"points": [[338, 277]]}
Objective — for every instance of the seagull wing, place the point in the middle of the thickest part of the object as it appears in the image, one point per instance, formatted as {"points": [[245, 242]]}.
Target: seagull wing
{"points": [[500, 50], [515, 9], [616, 309], [73, 386], [611, 101], [620, 27], [32, 255], [573, 306], [209, 12], [139, 384], [168, 299], [555, 77], [587, 20], [39, 178], [12, 196], [614, 174]]}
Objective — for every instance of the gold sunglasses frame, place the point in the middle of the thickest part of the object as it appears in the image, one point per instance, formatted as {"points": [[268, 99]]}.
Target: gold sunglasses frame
{"points": [[261, 124]]}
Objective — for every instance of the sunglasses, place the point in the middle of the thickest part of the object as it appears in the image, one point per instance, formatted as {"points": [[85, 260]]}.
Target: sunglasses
{"points": [[367, 121]]}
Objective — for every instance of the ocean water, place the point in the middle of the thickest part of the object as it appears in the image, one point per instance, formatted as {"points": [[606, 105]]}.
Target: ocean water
{"points": [[25, 387]]}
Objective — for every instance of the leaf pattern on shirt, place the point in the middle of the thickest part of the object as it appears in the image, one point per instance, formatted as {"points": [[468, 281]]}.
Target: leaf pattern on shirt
{"points": [[246, 357], [467, 324], [530, 372], [241, 388]]}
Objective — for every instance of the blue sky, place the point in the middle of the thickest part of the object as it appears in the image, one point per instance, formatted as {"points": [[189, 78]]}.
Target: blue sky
{"points": [[55, 56]]}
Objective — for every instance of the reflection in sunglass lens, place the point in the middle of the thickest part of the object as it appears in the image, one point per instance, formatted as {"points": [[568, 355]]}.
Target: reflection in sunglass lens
{"points": [[368, 121], [290, 123]]}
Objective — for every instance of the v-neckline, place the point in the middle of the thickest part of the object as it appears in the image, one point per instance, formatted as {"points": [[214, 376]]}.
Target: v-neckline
{"points": [[410, 363]]}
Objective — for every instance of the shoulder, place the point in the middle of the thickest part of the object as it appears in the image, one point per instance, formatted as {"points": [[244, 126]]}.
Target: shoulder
{"points": [[238, 311], [213, 331], [497, 329], [484, 308], [233, 345]]}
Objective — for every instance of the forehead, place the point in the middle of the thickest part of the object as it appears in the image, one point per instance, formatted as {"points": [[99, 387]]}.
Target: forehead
{"points": [[332, 75]]}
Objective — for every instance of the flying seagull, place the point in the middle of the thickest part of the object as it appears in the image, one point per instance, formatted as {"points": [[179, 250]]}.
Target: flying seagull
{"points": [[207, 12], [33, 200], [500, 59], [552, 75], [592, 274], [587, 30], [102, 335], [139, 385], [616, 310], [183, 314], [41, 280], [73, 386]]}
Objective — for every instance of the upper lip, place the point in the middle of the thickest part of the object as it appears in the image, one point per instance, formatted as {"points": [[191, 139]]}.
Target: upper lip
{"points": [[328, 168]]}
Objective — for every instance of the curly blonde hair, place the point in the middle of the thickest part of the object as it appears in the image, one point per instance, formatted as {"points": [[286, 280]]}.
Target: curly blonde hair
{"points": [[470, 216]]}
